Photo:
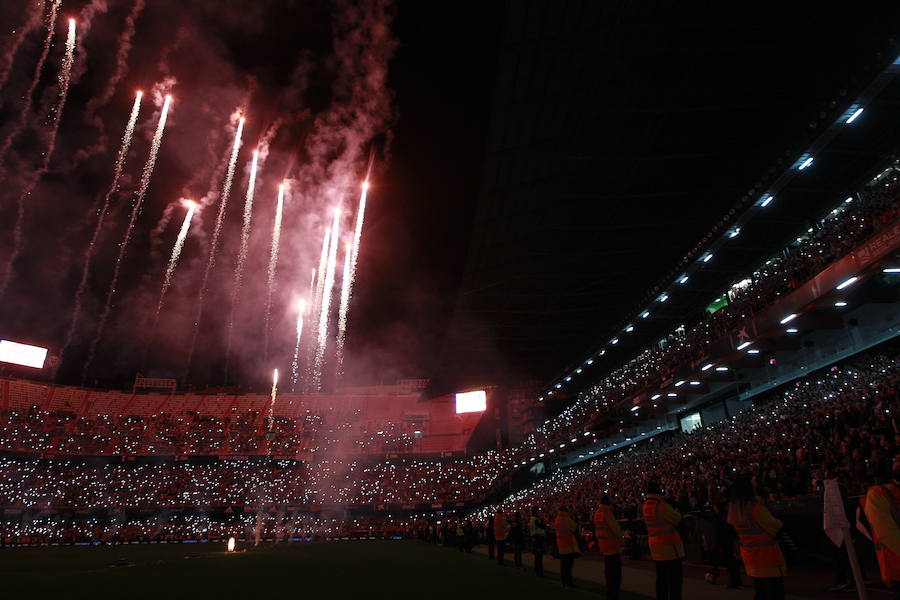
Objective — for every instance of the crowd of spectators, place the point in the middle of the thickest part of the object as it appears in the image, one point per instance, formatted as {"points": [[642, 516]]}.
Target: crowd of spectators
{"points": [[832, 237], [836, 424]]}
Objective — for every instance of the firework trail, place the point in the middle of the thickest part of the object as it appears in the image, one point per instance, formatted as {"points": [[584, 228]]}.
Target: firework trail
{"points": [[135, 210], [325, 306], [273, 264], [242, 255], [173, 261], [270, 418], [350, 260], [295, 366], [316, 302], [342, 312], [56, 116], [214, 244], [101, 215], [29, 93], [6, 62]]}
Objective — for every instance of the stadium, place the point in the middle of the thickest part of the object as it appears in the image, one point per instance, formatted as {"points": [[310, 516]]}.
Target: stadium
{"points": [[505, 299]]}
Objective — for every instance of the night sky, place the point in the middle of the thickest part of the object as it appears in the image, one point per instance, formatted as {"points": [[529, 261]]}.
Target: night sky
{"points": [[325, 83]]}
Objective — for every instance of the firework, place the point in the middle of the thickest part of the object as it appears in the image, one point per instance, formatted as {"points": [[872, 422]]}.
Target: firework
{"points": [[273, 264], [342, 311], [101, 215], [271, 416], [135, 210], [325, 307], [242, 254], [214, 244], [319, 284], [295, 366], [173, 260], [29, 93], [55, 115]]}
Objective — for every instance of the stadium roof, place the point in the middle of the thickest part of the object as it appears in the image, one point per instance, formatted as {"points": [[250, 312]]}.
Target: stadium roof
{"points": [[624, 138]]}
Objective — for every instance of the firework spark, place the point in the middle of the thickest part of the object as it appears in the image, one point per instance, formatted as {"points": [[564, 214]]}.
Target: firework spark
{"points": [[135, 210], [32, 23], [325, 308], [342, 312], [173, 260], [271, 416], [214, 244], [101, 215], [316, 296], [242, 255], [295, 366], [55, 116], [273, 263], [29, 93]]}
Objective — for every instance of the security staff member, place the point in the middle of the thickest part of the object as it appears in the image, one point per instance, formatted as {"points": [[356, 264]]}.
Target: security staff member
{"points": [[756, 529], [566, 544], [882, 508], [538, 532], [666, 547], [501, 530], [609, 542]]}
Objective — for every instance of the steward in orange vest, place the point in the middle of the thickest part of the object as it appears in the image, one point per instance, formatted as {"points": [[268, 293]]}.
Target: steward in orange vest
{"points": [[756, 529], [501, 531], [882, 508], [609, 540], [566, 544], [666, 547]]}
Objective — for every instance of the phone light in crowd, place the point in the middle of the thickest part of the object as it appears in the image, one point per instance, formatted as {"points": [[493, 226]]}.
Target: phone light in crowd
{"points": [[672, 395], [768, 200], [752, 351], [706, 367], [805, 163], [635, 408], [469, 402], [847, 283], [679, 383], [664, 297], [734, 232], [629, 329], [614, 341], [788, 318], [569, 378], [655, 396], [791, 330], [590, 361], [602, 352], [578, 370], [706, 257], [230, 546], [683, 280], [573, 440], [891, 270], [721, 369], [744, 345], [645, 314], [840, 304], [22, 354], [587, 433], [695, 382], [854, 116]]}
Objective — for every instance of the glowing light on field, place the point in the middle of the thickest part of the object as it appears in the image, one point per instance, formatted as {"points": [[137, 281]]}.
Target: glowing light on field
{"points": [[135, 211], [325, 307], [101, 215], [22, 354], [273, 262], [295, 366], [468, 402], [230, 546]]}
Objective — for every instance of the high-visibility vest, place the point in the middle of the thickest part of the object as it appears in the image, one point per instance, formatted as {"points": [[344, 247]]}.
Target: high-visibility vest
{"points": [[664, 540], [534, 528], [759, 549], [607, 539], [888, 561], [566, 542], [501, 529]]}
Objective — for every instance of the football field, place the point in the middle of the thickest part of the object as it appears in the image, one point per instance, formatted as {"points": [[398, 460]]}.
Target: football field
{"points": [[351, 569]]}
